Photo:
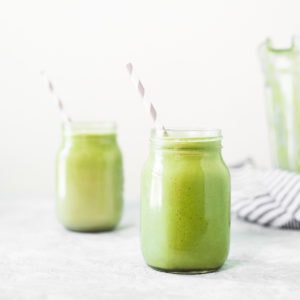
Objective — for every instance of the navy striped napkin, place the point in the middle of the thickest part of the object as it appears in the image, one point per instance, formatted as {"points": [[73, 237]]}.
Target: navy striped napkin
{"points": [[267, 197]]}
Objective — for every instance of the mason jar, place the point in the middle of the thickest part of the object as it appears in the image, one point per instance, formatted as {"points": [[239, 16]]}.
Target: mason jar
{"points": [[185, 202], [89, 177]]}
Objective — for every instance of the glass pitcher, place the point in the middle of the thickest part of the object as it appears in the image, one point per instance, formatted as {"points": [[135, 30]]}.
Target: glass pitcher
{"points": [[281, 67]]}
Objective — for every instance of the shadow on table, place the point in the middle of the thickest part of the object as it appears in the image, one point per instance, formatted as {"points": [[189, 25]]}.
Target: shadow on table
{"points": [[124, 227], [231, 263], [117, 229]]}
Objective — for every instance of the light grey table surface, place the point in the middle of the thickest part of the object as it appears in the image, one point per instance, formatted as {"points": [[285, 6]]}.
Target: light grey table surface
{"points": [[39, 259]]}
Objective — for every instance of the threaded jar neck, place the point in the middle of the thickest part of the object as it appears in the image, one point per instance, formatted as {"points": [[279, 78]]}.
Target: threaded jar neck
{"points": [[89, 128], [193, 139]]}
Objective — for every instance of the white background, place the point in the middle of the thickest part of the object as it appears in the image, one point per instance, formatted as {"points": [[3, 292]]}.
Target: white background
{"points": [[197, 59]]}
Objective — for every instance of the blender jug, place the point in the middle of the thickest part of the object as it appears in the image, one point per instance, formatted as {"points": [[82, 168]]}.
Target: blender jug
{"points": [[281, 68]]}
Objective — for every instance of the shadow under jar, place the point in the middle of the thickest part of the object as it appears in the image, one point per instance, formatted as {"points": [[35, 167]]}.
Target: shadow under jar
{"points": [[89, 177], [185, 202]]}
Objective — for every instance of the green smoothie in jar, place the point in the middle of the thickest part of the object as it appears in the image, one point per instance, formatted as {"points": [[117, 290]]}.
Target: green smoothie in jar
{"points": [[89, 177], [185, 202]]}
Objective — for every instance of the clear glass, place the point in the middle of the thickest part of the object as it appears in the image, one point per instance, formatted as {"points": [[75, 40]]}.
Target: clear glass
{"points": [[89, 177], [185, 202], [281, 68]]}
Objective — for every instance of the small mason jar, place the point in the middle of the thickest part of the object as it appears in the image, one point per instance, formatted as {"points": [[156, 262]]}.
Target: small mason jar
{"points": [[89, 177], [185, 202]]}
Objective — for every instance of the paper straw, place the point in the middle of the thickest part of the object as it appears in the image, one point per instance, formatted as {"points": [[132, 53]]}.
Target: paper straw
{"points": [[141, 90], [56, 98]]}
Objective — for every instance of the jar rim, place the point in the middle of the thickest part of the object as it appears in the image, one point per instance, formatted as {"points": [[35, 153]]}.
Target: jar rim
{"points": [[90, 127], [191, 134]]}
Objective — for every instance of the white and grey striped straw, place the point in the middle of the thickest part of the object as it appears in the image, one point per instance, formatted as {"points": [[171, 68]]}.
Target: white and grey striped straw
{"points": [[148, 105], [56, 98]]}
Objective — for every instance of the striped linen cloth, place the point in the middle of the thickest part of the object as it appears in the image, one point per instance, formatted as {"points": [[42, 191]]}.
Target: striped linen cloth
{"points": [[270, 198]]}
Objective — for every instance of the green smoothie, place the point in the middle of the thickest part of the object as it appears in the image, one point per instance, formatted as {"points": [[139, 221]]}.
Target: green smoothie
{"points": [[185, 203], [89, 178]]}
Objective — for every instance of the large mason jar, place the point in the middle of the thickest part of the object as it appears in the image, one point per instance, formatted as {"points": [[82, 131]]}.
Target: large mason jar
{"points": [[185, 202], [89, 177]]}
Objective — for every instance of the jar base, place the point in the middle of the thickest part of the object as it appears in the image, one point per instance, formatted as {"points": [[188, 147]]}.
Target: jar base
{"points": [[92, 230], [186, 272]]}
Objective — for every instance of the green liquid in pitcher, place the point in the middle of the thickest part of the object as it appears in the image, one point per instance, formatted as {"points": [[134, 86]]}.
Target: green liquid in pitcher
{"points": [[282, 76]]}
